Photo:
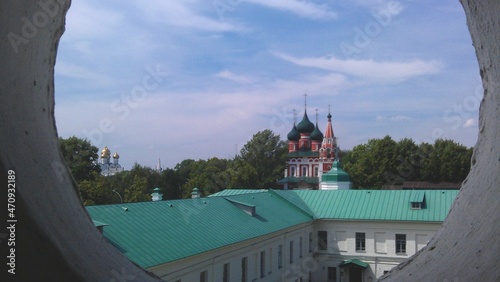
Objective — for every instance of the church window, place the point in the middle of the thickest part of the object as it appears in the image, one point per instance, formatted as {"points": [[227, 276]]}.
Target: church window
{"points": [[304, 171], [316, 171], [292, 171]]}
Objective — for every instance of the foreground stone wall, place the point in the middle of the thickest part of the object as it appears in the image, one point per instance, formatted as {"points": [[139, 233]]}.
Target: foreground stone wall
{"points": [[467, 248], [55, 239]]}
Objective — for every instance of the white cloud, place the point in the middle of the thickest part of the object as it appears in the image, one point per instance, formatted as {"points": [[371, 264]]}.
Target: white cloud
{"points": [[381, 6], [300, 8], [400, 118], [368, 68], [184, 14], [469, 123], [234, 77], [396, 118]]}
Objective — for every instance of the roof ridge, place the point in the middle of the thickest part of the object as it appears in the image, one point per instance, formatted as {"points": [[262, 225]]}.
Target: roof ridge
{"points": [[312, 215]]}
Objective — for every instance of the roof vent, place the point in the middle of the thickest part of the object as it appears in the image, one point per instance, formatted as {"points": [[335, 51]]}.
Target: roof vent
{"points": [[247, 208]]}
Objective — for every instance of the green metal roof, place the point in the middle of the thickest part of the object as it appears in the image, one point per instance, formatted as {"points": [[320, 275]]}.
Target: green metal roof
{"points": [[391, 205], [231, 192], [154, 233], [417, 196]]}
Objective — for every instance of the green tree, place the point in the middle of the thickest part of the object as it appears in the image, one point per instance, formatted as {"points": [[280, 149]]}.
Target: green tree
{"points": [[369, 164], [445, 161], [97, 191], [80, 156], [137, 191], [261, 161]]}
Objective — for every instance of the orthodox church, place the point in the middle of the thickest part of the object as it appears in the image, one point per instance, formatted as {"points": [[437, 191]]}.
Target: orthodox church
{"points": [[108, 168], [313, 161]]}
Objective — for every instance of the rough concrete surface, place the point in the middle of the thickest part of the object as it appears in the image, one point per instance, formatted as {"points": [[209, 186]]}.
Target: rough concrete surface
{"points": [[467, 247], [56, 240]]}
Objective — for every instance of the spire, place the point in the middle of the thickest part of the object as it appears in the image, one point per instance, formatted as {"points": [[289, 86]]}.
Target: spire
{"points": [[329, 128], [158, 166]]}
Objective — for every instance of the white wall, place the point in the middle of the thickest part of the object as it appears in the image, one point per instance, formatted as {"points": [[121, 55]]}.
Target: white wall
{"points": [[380, 247]]}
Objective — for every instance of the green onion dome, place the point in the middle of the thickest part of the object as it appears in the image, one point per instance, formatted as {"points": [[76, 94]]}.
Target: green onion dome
{"points": [[317, 134], [305, 125], [293, 135]]}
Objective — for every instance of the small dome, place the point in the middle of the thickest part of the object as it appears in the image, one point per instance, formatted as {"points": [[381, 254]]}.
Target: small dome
{"points": [[105, 152], [317, 134], [336, 174], [116, 156], [293, 135], [305, 125]]}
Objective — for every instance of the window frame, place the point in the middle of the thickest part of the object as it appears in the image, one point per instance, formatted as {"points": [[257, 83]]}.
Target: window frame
{"points": [[400, 244], [324, 246], [360, 239]]}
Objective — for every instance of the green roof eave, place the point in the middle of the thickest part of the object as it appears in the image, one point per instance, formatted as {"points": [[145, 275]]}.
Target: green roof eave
{"points": [[354, 262]]}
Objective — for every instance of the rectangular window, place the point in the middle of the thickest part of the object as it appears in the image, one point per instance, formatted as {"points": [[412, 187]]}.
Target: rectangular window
{"points": [[400, 243], [316, 171], [300, 247], [262, 264], [332, 274], [225, 273], [244, 269], [291, 252], [322, 240], [310, 242], [280, 256], [203, 276], [360, 242]]}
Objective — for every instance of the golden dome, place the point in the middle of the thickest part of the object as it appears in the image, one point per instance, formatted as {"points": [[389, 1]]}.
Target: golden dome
{"points": [[116, 156], [105, 152]]}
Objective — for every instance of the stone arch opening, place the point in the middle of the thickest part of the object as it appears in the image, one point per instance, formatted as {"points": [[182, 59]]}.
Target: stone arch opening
{"points": [[56, 238]]}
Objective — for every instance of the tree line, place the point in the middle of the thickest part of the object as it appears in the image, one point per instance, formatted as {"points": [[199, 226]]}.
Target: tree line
{"points": [[259, 164], [387, 162]]}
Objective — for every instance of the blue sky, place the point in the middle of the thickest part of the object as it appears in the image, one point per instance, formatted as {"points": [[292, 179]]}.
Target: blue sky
{"points": [[196, 79]]}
